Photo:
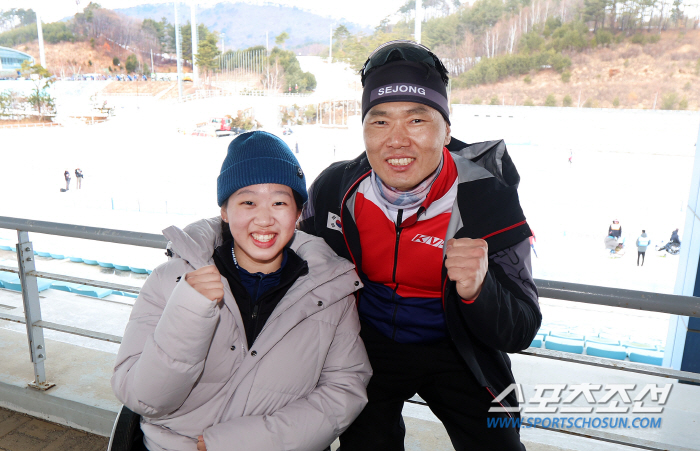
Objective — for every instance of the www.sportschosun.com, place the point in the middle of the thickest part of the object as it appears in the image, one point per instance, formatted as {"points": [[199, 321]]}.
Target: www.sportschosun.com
{"points": [[576, 422]]}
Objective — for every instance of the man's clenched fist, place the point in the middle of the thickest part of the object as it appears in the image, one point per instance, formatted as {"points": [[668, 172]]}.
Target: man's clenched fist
{"points": [[467, 262], [207, 281]]}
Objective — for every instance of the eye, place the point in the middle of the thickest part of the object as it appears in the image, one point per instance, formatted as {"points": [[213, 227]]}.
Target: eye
{"points": [[247, 202], [279, 203], [417, 121]]}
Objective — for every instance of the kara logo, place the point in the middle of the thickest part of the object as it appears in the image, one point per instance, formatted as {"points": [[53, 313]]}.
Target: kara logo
{"points": [[393, 89], [430, 240], [334, 222]]}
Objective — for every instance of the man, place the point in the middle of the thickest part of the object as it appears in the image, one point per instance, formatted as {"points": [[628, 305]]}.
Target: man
{"points": [[615, 229], [675, 238], [441, 244], [643, 242], [79, 177]]}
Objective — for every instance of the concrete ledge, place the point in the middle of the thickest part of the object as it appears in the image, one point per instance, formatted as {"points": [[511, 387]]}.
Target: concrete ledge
{"points": [[82, 398]]}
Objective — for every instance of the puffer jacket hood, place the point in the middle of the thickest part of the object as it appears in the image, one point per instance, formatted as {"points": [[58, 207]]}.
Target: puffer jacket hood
{"points": [[184, 364]]}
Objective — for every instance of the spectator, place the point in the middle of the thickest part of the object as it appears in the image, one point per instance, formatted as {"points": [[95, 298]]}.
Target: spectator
{"points": [[448, 291], [674, 237], [643, 242], [615, 229], [247, 338], [79, 178]]}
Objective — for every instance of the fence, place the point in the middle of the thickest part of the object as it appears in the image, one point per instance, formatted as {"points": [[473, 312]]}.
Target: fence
{"points": [[35, 124], [205, 94], [589, 294]]}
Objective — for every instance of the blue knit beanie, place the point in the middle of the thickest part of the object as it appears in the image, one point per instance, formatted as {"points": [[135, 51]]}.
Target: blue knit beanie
{"points": [[259, 157]]}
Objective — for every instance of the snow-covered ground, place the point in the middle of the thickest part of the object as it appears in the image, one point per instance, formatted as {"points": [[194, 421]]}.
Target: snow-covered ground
{"points": [[141, 174]]}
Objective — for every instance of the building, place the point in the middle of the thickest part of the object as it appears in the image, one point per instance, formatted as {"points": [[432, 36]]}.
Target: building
{"points": [[11, 60]]}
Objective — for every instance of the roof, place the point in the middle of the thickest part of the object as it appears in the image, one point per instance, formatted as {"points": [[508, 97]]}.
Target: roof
{"points": [[12, 53]]}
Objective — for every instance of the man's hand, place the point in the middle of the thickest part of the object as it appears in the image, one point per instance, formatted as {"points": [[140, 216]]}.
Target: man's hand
{"points": [[467, 262], [207, 281], [200, 444]]}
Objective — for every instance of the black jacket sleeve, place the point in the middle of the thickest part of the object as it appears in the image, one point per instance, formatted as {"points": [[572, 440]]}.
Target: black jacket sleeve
{"points": [[506, 314]]}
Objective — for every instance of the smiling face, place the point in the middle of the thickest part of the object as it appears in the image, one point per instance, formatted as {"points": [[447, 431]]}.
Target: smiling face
{"points": [[404, 142], [262, 220]]}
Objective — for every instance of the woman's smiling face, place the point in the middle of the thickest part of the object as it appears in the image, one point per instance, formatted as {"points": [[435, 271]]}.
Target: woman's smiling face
{"points": [[262, 219]]}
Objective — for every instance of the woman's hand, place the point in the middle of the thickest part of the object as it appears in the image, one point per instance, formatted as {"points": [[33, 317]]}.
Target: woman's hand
{"points": [[200, 444], [207, 281]]}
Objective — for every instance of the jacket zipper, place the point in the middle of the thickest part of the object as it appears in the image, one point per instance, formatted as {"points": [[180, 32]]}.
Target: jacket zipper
{"points": [[393, 276], [256, 306]]}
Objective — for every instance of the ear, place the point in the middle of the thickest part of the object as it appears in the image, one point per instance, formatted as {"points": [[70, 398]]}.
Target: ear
{"points": [[448, 136], [224, 214], [298, 214]]}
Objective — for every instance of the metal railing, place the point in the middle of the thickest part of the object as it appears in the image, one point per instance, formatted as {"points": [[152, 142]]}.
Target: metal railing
{"points": [[589, 294]]}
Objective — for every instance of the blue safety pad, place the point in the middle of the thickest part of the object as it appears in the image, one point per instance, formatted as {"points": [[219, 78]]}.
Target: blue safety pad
{"points": [[58, 256], [105, 264], [601, 340], [567, 335], [90, 262], [536, 343], [608, 351], [643, 356], [637, 345], [138, 270], [7, 277], [13, 283], [43, 254], [94, 292], [64, 286], [124, 293], [76, 259], [564, 345], [4, 247], [122, 267]]}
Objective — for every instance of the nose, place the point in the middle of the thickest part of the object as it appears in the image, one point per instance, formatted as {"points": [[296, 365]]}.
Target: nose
{"points": [[398, 136], [264, 216]]}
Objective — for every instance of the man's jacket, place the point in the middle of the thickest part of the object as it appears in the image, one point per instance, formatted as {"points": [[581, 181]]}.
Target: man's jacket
{"points": [[505, 316]]}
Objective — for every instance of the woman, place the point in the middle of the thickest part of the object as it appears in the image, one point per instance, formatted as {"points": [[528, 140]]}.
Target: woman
{"points": [[247, 338]]}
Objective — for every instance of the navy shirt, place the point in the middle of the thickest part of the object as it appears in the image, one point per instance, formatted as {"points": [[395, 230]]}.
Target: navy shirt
{"points": [[258, 283]]}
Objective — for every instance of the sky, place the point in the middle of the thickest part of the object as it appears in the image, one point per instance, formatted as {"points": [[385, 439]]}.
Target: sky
{"points": [[363, 12]]}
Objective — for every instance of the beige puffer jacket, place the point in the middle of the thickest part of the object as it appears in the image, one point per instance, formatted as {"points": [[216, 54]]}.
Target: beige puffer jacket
{"points": [[185, 367]]}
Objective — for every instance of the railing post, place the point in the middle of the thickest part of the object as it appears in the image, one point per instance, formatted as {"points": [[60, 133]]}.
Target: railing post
{"points": [[32, 310]]}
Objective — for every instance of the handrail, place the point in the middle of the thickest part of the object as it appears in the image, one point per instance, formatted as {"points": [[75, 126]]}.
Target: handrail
{"points": [[79, 280], [618, 297], [85, 232], [589, 294]]}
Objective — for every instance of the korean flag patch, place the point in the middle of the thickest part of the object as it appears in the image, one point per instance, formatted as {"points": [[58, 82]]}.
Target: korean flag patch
{"points": [[334, 222]]}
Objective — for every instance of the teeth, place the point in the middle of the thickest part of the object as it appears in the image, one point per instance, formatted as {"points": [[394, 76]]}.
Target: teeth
{"points": [[263, 238], [400, 161]]}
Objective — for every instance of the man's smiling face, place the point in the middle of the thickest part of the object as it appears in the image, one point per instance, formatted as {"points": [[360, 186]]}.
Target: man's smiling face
{"points": [[404, 142]]}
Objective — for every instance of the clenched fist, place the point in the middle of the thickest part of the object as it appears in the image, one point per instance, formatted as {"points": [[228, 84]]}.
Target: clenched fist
{"points": [[207, 281], [467, 262]]}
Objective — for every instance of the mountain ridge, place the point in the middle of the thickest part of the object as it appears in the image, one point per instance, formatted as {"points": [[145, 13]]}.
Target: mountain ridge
{"points": [[304, 27]]}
